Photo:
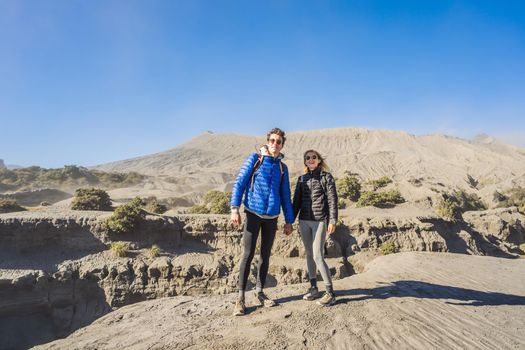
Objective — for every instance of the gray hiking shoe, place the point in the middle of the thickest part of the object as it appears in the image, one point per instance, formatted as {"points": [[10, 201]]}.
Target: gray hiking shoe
{"points": [[240, 308], [313, 293], [264, 300], [327, 299]]}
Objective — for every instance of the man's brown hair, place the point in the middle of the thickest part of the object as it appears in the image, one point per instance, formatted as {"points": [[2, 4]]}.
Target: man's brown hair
{"points": [[276, 131]]}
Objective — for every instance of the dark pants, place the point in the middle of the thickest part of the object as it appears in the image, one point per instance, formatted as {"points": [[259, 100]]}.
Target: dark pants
{"points": [[253, 225]]}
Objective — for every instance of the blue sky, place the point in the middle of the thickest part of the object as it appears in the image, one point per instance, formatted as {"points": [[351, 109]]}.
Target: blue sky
{"points": [[87, 82]]}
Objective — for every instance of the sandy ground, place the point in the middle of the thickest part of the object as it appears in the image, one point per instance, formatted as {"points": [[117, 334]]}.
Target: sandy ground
{"points": [[401, 301]]}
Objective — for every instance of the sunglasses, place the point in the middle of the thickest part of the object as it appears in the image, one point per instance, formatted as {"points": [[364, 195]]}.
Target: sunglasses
{"points": [[277, 141], [314, 157]]}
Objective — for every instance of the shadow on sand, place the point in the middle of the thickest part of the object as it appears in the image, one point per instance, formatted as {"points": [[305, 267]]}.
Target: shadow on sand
{"points": [[424, 290]]}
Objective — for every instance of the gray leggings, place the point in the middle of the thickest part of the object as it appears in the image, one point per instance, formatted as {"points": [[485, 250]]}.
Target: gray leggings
{"points": [[313, 234]]}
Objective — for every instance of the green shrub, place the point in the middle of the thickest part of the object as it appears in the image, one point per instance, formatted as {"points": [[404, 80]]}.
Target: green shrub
{"points": [[388, 248], [8, 205], [91, 199], [119, 249], [348, 187], [213, 196], [153, 206], [199, 209], [341, 204], [512, 197], [454, 204], [215, 202], [154, 251], [17, 179], [69, 173], [218, 202], [380, 199], [379, 183], [122, 179], [70, 176], [517, 195], [467, 201], [222, 207], [126, 217], [448, 209]]}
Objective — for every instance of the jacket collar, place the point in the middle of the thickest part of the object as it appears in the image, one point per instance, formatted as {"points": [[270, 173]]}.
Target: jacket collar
{"points": [[315, 172], [279, 157]]}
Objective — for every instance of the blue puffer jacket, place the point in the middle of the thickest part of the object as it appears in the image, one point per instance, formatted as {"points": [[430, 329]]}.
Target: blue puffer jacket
{"points": [[267, 194]]}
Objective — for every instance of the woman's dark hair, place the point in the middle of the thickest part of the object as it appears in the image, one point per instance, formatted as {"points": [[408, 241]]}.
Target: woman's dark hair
{"points": [[276, 131]]}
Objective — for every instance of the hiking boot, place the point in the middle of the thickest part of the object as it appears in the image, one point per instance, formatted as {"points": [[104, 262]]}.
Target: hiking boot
{"points": [[264, 300], [240, 308], [327, 299], [313, 293]]}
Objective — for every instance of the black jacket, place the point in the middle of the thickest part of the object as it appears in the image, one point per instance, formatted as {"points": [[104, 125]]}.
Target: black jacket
{"points": [[315, 197]]}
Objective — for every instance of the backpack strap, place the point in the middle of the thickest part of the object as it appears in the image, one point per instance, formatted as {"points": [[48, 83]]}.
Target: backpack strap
{"points": [[256, 166]]}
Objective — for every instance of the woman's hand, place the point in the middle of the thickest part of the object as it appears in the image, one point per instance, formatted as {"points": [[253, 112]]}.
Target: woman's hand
{"points": [[288, 229], [331, 229], [235, 218]]}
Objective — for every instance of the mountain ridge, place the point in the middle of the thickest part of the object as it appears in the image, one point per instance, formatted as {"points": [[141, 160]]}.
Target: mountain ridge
{"points": [[212, 160]]}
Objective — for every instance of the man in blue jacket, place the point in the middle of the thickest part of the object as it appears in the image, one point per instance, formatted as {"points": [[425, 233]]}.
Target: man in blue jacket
{"points": [[263, 181]]}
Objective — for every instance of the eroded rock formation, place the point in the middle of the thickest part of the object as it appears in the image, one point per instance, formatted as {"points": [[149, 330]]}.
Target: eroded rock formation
{"points": [[56, 268]]}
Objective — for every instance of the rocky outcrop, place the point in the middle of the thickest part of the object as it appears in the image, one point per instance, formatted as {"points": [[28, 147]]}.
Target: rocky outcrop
{"points": [[402, 301], [37, 307], [496, 232], [48, 255], [504, 227], [78, 233], [56, 266]]}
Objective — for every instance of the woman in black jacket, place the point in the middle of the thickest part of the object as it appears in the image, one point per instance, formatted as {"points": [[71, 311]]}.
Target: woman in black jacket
{"points": [[315, 200]]}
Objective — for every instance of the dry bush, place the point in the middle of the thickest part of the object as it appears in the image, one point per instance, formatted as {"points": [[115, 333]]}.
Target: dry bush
{"points": [[380, 199], [119, 249], [91, 199], [348, 187], [126, 217]]}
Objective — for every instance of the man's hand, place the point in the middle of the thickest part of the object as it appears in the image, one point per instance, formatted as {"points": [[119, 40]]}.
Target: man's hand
{"points": [[331, 229], [288, 229], [235, 218]]}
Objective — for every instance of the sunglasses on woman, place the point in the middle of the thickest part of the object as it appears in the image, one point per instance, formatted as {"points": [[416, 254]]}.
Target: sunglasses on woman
{"points": [[277, 141], [314, 157]]}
